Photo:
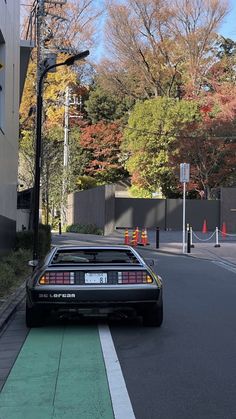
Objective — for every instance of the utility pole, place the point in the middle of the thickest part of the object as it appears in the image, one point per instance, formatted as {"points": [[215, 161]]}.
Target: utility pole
{"points": [[66, 127], [68, 103], [65, 157]]}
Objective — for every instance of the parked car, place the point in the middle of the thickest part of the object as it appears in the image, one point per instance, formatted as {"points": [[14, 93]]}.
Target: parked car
{"points": [[94, 280]]}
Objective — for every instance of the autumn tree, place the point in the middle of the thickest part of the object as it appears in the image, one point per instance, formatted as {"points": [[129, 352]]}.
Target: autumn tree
{"points": [[102, 141], [71, 25], [67, 30], [194, 26], [210, 144], [160, 48]]}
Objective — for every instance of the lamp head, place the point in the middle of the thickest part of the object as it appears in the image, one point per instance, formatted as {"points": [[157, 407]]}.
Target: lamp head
{"points": [[77, 57]]}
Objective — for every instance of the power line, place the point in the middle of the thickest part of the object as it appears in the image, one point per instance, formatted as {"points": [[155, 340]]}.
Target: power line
{"points": [[144, 131]]}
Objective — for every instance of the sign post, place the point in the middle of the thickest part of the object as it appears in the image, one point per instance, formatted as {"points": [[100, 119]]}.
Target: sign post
{"points": [[184, 178]]}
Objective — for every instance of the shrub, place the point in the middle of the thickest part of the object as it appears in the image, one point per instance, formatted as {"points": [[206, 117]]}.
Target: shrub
{"points": [[86, 182], [7, 277], [24, 240], [13, 270], [84, 229]]}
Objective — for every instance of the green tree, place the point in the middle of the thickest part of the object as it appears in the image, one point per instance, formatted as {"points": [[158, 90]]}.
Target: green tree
{"points": [[102, 105], [78, 159], [26, 159], [150, 141]]}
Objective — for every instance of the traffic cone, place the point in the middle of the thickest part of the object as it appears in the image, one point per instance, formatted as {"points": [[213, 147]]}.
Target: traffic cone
{"points": [[137, 235], [126, 241], [143, 238], [146, 237], [223, 231], [134, 238], [204, 228]]}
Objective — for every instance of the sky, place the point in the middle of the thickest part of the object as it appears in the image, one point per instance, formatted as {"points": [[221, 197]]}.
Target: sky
{"points": [[228, 28]]}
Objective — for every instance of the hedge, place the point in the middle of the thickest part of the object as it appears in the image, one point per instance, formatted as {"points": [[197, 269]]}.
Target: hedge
{"points": [[24, 240], [84, 229]]}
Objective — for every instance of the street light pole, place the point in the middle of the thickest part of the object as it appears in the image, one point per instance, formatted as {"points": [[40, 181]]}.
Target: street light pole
{"points": [[69, 61]]}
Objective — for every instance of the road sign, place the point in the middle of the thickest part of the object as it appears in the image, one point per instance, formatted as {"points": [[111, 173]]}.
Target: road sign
{"points": [[184, 172]]}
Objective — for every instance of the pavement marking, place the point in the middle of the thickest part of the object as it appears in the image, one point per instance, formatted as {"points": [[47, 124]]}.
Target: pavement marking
{"points": [[225, 265], [119, 395], [59, 374]]}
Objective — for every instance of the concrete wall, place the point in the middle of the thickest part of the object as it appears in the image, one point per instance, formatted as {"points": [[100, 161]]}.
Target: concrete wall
{"points": [[9, 118], [23, 219], [93, 206], [228, 209], [196, 212], [166, 214], [7, 233], [99, 206], [131, 212]]}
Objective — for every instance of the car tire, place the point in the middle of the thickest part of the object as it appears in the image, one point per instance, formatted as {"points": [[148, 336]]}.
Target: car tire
{"points": [[33, 316], [153, 316]]}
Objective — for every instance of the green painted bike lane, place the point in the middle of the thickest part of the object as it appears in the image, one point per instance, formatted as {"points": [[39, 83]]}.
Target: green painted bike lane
{"points": [[59, 374]]}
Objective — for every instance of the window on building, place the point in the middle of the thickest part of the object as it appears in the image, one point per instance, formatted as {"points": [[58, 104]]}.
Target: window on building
{"points": [[2, 82]]}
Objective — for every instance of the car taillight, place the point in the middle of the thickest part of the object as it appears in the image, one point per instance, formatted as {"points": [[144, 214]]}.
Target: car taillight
{"points": [[57, 278], [134, 277]]}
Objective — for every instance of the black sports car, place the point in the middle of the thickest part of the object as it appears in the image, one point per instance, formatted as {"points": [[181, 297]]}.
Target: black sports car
{"points": [[94, 280]]}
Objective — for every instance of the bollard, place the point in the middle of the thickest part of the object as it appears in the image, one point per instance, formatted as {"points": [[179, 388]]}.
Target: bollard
{"points": [[217, 238], [59, 227], [188, 241], [191, 237], [157, 237]]}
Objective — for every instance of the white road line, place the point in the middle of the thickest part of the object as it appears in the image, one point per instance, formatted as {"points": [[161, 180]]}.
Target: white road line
{"points": [[225, 266], [119, 395]]}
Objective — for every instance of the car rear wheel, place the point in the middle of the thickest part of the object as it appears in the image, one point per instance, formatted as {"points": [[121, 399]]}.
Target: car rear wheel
{"points": [[33, 316], [153, 316]]}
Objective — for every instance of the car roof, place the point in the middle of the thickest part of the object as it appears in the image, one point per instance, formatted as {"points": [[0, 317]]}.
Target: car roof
{"points": [[95, 247]]}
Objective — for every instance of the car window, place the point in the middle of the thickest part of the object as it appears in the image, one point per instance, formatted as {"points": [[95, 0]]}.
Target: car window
{"points": [[86, 256]]}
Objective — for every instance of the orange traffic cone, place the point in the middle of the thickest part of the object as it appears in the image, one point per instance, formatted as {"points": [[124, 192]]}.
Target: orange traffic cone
{"points": [[204, 228], [134, 238], [126, 241], [146, 237], [224, 232], [143, 238], [137, 235]]}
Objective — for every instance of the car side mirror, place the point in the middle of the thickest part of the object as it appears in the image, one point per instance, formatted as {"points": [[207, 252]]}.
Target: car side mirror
{"points": [[150, 262], [33, 263]]}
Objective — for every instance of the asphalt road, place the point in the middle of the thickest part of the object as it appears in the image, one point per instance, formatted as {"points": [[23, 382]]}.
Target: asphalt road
{"points": [[187, 368]]}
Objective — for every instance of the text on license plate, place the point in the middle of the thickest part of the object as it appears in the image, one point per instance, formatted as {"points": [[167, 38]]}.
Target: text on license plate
{"points": [[95, 278]]}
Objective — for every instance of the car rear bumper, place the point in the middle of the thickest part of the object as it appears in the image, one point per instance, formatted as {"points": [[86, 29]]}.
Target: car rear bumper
{"points": [[94, 299]]}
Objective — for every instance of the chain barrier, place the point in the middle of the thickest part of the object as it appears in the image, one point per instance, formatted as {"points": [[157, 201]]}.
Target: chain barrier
{"points": [[204, 240], [227, 234]]}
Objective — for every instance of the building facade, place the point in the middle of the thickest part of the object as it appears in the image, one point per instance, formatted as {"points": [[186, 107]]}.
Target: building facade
{"points": [[10, 74]]}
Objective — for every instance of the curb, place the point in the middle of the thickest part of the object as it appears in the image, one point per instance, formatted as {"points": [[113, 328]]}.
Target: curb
{"points": [[9, 307]]}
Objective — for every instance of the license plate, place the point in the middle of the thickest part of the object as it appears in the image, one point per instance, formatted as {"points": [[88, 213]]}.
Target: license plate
{"points": [[95, 278]]}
